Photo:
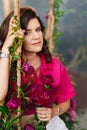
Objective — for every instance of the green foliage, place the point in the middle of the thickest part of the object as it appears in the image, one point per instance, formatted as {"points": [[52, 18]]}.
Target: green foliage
{"points": [[58, 13], [4, 110], [6, 122], [17, 41]]}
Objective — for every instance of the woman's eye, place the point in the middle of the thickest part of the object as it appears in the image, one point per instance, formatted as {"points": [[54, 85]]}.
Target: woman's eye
{"points": [[38, 29], [26, 33]]}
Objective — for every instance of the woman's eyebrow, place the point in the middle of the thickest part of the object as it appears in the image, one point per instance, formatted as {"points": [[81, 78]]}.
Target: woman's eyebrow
{"points": [[35, 29], [28, 30], [38, 27]]}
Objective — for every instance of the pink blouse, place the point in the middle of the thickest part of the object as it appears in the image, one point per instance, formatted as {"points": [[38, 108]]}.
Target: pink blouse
{"points": [[61, 82]]}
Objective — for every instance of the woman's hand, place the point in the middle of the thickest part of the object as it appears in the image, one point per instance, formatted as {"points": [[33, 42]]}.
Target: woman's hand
{"points": [[45, 114], [11, 34]]}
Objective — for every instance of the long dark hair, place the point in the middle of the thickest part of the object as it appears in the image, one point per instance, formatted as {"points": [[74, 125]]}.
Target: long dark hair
{"points": [[26, 14]]}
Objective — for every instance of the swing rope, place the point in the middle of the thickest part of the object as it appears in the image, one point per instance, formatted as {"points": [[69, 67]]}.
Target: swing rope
{"points": [[18, 52]]}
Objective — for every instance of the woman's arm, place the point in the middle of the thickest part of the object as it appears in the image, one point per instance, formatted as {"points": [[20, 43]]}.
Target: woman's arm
{"points": [[4, 75], [61, 108], [4, 61]]}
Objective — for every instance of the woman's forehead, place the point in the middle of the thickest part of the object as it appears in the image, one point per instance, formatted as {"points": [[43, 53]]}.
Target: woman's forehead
{"points": [[33, 23]]}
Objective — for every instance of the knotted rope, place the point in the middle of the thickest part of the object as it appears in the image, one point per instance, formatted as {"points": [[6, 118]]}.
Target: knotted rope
{"points": [[50, 27], [18, 52]]}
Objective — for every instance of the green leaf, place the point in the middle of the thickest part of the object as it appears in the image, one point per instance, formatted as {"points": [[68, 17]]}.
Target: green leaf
{"points": [[4, 110], [54, 105], [47, 87], [39, 127], [12, 122]]}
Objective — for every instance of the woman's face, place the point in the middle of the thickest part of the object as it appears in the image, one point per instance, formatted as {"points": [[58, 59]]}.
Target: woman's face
{"points": [[33, 38]]}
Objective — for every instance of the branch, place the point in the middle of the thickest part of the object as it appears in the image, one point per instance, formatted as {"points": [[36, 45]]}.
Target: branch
{"points": [[80, 57]]}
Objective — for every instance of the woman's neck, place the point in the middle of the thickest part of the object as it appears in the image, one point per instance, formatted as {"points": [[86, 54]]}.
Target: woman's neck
{"points": [[29, 56]]}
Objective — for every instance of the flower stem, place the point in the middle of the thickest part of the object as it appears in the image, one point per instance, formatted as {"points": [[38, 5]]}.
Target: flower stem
{"points": [[44, 125]]}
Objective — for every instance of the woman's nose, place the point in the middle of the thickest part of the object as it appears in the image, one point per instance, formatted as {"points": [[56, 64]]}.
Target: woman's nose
{"points": [[35, 35]]}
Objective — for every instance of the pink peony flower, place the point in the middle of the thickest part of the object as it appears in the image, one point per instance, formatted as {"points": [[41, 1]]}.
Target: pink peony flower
{"points": [[46, 16], [46, 79], [72, 114], [14, 103], [41, 96], [27, 68], [73, 103], [29, 127]]}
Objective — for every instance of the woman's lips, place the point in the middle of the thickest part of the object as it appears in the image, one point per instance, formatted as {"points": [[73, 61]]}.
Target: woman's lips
{"points": [[36, 43]]}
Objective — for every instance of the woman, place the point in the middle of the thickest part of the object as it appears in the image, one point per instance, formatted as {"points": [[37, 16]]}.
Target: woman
{"points": [[36, 55]]}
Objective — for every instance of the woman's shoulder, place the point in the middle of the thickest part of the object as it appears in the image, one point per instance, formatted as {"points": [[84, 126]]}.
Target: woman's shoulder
{"points": [[55, 63], [58, 64], [56, 60]]}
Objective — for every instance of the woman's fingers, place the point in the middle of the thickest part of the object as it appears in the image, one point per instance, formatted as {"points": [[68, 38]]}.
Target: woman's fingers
{"points": [[12, 34], [44, 114], [12, 24], [13, 29]]}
